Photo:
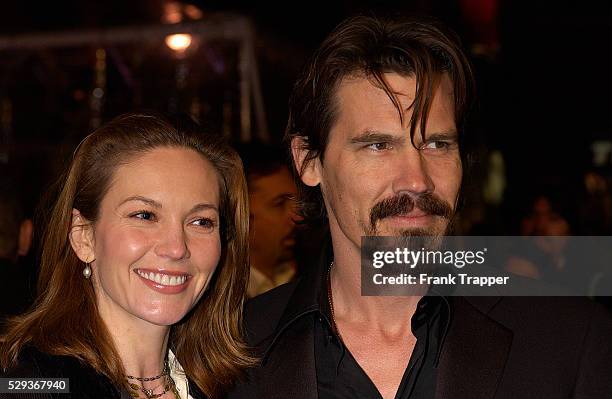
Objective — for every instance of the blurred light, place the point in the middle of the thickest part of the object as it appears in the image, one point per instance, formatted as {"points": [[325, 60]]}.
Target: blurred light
{"points": [[602, 152], [595, 184], [178, 42], [172, 13], [98, 92], [193, 12], [495, 184], [78, 95]]}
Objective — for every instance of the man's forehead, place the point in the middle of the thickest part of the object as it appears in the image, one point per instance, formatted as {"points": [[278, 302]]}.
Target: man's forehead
{"points": [[402, 85], [279, 181], [362, 104]]}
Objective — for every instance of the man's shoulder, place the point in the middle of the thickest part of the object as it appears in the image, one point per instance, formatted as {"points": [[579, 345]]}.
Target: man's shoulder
{"points": [[566, 308], [263, 312], [549, 317]]}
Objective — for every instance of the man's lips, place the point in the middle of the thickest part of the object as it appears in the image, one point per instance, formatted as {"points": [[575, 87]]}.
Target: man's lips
{"points": [[413, 214], [289, 240], [415, 218]]}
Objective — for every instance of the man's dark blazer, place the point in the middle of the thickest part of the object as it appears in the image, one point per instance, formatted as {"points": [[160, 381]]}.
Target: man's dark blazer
{"points": [[496, 347]]}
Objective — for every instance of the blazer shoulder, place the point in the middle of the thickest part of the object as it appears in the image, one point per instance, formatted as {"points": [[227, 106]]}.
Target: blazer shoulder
{"points": [[263, 312], [562, 319], [84, 381], [33, 363]]}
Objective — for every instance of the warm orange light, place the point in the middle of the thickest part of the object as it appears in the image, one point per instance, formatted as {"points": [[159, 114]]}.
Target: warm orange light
{"points": [[178, 42], [172, 13]]}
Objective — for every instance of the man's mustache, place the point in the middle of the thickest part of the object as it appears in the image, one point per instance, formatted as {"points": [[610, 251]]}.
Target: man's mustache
{"points": [[403, 204]]}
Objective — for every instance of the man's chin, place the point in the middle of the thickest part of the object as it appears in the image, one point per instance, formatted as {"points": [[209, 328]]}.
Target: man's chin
{"points": [[287, 255], [418, 237], [416, 232]]}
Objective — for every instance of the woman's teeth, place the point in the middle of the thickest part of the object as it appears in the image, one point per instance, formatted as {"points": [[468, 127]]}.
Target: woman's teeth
{"points": [[163, 279]]}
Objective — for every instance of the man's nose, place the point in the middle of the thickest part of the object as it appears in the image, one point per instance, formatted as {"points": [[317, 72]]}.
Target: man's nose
{"points": [[410, 173], [172, 243]]}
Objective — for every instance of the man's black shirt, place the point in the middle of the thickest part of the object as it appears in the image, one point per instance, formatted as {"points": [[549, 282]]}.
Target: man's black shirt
{"points": [[506, 347], [339, 376]]}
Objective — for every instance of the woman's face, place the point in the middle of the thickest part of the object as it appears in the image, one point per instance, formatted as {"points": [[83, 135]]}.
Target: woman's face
{"points": [[157, 241]]}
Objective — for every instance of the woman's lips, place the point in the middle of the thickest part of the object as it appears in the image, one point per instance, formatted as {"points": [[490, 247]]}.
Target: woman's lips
{"points": [[164, 281]]}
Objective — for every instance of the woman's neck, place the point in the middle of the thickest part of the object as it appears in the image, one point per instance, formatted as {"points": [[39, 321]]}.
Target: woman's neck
{"points": [[142, 346]]}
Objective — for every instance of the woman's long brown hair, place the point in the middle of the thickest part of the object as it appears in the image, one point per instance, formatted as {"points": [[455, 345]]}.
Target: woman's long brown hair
{"points": [[64, 319]]}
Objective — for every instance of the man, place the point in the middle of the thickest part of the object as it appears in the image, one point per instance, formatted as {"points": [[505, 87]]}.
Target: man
{"points": [[376, 136], [272, 194]]}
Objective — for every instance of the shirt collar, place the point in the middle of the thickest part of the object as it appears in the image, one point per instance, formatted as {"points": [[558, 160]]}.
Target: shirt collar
{"points": [[429, 307], [311, 297], [178, 375]]}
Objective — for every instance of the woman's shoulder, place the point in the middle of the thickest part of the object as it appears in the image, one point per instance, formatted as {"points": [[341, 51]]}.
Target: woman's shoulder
{"points": [[83, 380], [33, 363]]}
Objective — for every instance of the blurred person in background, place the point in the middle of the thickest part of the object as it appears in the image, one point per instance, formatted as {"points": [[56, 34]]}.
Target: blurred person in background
{"points": [[143, 268], [550, 254], [272, 207], [15, 242], [547, 215]]}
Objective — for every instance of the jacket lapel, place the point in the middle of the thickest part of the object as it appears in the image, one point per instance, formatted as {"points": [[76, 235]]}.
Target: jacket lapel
{"points": [[474, 352], [288, 367], [289, 370]]}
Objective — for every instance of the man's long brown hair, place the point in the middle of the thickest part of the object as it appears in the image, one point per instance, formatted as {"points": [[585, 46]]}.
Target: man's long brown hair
{"points": [[65, 320], [369, 47]]}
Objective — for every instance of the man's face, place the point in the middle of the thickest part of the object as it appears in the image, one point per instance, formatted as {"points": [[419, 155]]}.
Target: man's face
{"points": [[373, 180], [272, 205], [544, 220]]}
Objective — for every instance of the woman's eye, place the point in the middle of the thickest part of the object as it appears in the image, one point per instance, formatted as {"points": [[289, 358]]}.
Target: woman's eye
{"points": [[204, 222], [379, 146], [144, 215]]}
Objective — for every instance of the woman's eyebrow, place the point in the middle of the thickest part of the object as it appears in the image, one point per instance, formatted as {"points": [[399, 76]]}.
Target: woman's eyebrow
{"points": [[203, 206], [140, 198]]}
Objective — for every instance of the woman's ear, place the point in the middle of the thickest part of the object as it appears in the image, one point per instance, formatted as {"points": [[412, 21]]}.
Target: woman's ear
{"points": [[82, 237], [309, 173]]}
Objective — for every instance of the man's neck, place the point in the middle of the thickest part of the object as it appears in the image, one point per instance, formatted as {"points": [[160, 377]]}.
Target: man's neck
{"points": [[266, 268], [387, 312]]}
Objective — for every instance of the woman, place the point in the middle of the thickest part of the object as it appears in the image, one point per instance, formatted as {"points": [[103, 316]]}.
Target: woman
{"points": [[143, 270]]}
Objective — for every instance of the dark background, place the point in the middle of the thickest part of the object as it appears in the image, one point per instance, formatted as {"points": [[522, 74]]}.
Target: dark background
{"points": [[542, 67]]}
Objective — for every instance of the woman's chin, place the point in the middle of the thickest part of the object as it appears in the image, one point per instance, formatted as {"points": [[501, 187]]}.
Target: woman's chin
{"points": [[164, 318]]}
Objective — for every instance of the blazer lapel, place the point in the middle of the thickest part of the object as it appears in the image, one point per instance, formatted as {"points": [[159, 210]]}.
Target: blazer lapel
{"points": [[474, 352], [289, 370]]}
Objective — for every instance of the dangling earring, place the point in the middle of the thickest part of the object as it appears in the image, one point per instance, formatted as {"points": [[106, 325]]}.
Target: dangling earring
{"points": [[87, 271]]}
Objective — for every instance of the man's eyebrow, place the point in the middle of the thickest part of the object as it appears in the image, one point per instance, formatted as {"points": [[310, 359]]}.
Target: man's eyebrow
{"points": [[449, 135], [372, 136], [140, 198], [283, 196]]}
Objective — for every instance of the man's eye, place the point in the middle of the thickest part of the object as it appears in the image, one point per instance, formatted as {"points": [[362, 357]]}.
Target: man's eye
{"points": [[436, 145], [380, 146], [144, 215]]}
